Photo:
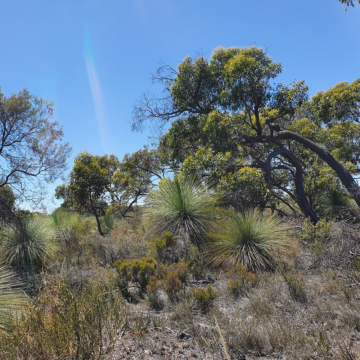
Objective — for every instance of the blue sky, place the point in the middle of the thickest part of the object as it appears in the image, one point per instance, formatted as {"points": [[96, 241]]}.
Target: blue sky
{"points": [[93, 58]]}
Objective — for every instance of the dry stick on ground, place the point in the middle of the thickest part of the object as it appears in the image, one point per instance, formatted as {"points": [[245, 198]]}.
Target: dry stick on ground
{"points": [[222, 339]]}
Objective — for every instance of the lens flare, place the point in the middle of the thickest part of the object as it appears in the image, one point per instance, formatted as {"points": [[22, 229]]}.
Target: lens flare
{"points": [[96, 93]]}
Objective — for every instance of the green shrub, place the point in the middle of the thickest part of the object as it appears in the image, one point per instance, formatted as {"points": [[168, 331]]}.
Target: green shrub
{"points": [[62, 323], [163, 249], [250, 239], [240, 281], [136, 271], [205, 298], [313, 233], [71, 227], [27, 248]]}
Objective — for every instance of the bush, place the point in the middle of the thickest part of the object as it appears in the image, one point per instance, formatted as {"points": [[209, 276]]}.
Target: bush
{"points": [[62, 323], [240, 281], [296, 286], [314, 233], [137, 271], [171, 279], [26, 248], [249, 239], [197, 267], [163, 249], [205, 298]]}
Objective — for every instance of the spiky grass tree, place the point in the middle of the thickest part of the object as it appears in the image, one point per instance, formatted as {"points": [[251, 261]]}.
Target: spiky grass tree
{"points": [[71, 227], [251, 239], [26, 248], [184, 206], [10, 294]]}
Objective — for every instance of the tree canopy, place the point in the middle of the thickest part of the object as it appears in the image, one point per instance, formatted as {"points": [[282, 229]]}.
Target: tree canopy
{"points": [[31, 149], [263, 142], [103, 183]]}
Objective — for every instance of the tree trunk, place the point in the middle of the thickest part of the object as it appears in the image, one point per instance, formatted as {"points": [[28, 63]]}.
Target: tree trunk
{"points": [[344, 176], [98, 221], [302, 201]]}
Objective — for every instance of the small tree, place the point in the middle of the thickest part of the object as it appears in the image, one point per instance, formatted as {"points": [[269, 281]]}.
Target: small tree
{"points": [[88, 184]]}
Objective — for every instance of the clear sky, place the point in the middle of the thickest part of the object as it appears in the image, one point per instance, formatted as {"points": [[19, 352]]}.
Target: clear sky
{"points": [[93, 58]]}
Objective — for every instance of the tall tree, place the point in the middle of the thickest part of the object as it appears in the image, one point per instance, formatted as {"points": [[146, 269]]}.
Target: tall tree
{"points": [[31, 149], [228, 117]]}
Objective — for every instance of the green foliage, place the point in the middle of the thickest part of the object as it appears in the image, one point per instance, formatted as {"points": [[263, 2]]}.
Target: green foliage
{"points": [[250, 239], [183, 206], [137, 271], [89, 180], [240, 281], [61, 323], [163, 249], [205, 298], [314, 233], [263, 144], [27, 248], [11, 296], [296, 287], [71, 227]]}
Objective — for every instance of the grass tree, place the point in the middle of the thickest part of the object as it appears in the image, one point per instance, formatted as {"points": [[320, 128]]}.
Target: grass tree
{"points": [[10, 296], [26, 248], [249, 238], [184, 206]]}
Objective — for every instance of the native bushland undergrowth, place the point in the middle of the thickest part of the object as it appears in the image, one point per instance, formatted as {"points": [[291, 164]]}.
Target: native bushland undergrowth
{"points": [[66, 323], [306, 307]]}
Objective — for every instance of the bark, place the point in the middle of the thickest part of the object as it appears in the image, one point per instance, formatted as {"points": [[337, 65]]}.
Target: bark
{"points": [[344, 176], [98, 222], [301, 198]]}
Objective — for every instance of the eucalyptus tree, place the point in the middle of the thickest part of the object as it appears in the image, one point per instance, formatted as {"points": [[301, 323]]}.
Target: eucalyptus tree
{"points": [[104, 183], [31, 149], [230, 120]]}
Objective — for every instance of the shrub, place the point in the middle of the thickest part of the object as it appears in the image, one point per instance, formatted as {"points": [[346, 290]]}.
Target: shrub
{"points": [[137, 271], [250, 239], [197, 267], [296, 287], [171, 279], [27, 247], [183, 206], [205, 298], [62, 323], [70, 226], [240, 281], [318, 232], [163, 249]]}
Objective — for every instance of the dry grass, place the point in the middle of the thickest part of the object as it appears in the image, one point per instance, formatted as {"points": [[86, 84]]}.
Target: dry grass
{"points": [[308, 308]]}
